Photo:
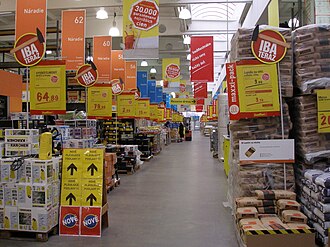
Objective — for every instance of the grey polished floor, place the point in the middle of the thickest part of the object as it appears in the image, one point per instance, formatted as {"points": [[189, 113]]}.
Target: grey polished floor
{"points": [[175, 200]]}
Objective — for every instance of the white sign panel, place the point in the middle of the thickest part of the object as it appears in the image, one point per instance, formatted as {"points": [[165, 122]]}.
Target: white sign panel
{"points": [[266, 151]]}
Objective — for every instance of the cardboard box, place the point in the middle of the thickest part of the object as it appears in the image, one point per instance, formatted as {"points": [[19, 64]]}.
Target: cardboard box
{"points": [[57, 163], [7, 175], [25, 219], [56, 187], [41, 220], [248, 212], [2, 217], [24, 174], [11, 218], [42, 171], [10, 195], [2, 195], [42, 196], [24, 196]]}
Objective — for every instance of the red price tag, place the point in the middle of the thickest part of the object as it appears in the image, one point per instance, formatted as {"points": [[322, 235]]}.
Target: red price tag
{"points": [[144, 15]]}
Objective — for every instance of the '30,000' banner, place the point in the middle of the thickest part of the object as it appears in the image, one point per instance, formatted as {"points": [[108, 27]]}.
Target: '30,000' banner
{"points": [[140, 29]]}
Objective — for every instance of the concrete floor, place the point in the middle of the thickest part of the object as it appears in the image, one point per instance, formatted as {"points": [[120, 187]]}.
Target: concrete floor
{"points": [[174, 200]]}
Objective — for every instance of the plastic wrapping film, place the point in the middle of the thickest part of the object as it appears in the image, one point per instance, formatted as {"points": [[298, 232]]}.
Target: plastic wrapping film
{"points": [[241, 49], [244, 179], [311, 146], [312, 58], [313, 192]]}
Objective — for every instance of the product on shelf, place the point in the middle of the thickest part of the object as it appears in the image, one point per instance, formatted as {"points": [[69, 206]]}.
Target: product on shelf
{"points": [[312, 57], [21, 142], [241, 49]]}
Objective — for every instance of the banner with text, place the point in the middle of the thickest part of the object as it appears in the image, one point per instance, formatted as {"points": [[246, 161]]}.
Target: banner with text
{"points": [[143, 108], [199, 105], [73, 38], [47, 89], [171, 70], [142, 83], [200, 90], [153, 112], [159, 94], [130, 75], [99, 102], [30, 15], [202, 64], [102, 46], [140, 29], [117, 65], [152, 91]]}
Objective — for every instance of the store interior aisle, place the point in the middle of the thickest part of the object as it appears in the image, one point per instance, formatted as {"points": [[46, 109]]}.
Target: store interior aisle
{"points": [[174, 200]]}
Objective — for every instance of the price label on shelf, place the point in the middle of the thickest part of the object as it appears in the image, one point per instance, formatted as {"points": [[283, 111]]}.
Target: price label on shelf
{"points": [[48, 88], [323, 108], [99, 102]]}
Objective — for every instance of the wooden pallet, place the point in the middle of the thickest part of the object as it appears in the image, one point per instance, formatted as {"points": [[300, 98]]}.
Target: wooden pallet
{"points": [[128, 171], [147, 158], [30, 236]]}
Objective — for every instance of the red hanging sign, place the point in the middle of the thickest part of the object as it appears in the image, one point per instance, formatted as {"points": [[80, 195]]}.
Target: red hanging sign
{"points": [[87, 75], [144, 15], [200, 105], [172, 71], [102, 56], [69, 221], [202, 64], [200, 90], [90, 221]]}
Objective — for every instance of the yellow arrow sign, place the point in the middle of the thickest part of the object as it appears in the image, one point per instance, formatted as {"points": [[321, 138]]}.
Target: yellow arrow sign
{"points": [[183, 101]]}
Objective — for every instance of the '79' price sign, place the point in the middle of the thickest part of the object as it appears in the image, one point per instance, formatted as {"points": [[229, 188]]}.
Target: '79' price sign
{"points": [[323, 109], [99, 102], [48, 88]]}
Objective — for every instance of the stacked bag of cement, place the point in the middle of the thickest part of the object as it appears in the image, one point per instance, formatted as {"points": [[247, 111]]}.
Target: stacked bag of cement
{"points": [[245, 179], [312, 58], [315, 199], [269, 210], [241, 49]]}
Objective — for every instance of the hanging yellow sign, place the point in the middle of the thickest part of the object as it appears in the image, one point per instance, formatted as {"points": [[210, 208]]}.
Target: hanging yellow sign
{"points": [[168, 114], [126, 105], [99, 100], [183, 101], [171, 70], [323, 110], [153, 112], [143, 108], [161, 115]]}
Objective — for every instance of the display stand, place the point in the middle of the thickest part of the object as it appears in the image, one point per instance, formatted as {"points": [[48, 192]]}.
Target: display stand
{"points": [[105, 206]]}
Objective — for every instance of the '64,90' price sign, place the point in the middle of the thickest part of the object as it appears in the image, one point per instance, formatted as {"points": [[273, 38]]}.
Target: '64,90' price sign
{"points": [[48, 88]]}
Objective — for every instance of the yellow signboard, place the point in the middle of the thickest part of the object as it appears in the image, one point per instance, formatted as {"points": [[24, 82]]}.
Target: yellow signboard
{"points": [[168, 114], [93, 163], [91, 194], [183, 101], [47, 89], [258, 89], [99, 100], [71, 163], [154, 112], [323, 110], [71, 192], [126, 105], [161, 115], [143, 108], [171, 69]]}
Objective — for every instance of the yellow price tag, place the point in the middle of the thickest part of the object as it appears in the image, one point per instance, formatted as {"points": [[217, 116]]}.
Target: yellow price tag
{"points": [[323, 108], [99, 100], [143, 108], [126, 105]]}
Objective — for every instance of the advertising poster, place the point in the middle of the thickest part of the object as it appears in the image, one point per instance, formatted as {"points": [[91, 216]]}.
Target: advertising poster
{"points": [[140, 29], [30, 15], [73, 38], [47, 88], [199, 105], [130, 75], [252, 90], [171, 70], [102, 46], [152, 91], [159, 94], [323, 110], [99, 100], [202, 64]]}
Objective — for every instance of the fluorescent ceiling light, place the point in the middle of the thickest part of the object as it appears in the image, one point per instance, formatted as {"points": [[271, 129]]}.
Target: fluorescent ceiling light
{"points": [[173, 94], [186, 40], [48, 52], [153, 70], [6, 13], [102, 14], [114, 31], [293, 22], [161, 82], [189, 67], [189, 57], [144, 63], [89, 58], [185, 14]]}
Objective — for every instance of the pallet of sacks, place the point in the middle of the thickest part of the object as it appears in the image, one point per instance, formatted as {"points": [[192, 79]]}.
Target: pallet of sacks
{"points": [[312, 58], [241, 49], [315, 200], [272, 218], [244, 179]]}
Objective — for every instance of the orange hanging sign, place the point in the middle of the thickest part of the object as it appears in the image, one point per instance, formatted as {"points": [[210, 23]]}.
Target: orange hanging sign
{"points": [[117, 65], [130, 75], [102, 57], [73, 38]]}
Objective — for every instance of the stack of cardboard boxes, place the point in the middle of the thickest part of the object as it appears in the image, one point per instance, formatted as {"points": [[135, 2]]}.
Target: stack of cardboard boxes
{"points": [[21, 142], [29, 194], [110, 159]]}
